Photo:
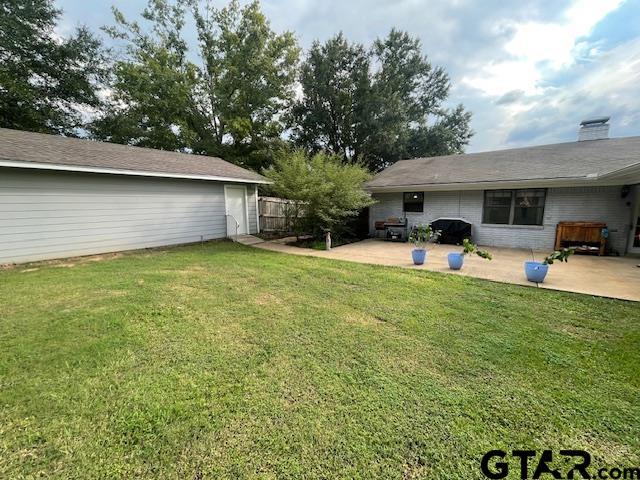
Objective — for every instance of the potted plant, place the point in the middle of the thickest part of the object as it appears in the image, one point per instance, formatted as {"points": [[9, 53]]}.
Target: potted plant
{"points": [[537, 271], [420, 235], [456, 259]]}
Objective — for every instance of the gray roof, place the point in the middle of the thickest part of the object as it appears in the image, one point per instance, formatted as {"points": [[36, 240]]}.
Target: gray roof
{"points": [[87, 155], [585, 161]]}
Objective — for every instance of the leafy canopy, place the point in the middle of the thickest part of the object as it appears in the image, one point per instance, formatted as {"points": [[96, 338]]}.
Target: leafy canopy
{"points": [[227, 103], [332, 114], [46, 83], [152, 88], [378, 105], [331, 192], [247, 77]]}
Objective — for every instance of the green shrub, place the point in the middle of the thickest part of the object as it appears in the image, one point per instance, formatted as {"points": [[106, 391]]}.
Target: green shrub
{"points": [[421, 234], [470, 247], [327, 192]]}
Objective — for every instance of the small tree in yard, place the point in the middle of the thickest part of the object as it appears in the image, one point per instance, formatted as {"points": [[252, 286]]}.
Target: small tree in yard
{"points": [[327, 192]]}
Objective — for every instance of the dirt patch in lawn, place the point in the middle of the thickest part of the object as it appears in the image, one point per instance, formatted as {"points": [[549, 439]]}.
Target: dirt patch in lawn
{"points": [[268, 299]]}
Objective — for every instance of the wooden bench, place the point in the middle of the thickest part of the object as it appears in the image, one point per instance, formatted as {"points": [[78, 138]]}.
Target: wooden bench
{"points": [[586, 237]]}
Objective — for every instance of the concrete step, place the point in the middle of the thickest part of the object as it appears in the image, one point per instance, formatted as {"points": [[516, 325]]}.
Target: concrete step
{"points": [[248, 240]]}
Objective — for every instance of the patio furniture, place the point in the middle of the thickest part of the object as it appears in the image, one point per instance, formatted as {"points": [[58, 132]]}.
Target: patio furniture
{"points": [[379, 228], [393, 229], [585, 237]]}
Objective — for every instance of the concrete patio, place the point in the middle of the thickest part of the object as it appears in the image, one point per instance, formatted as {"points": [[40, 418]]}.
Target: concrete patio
{"points": [[615, 277]]}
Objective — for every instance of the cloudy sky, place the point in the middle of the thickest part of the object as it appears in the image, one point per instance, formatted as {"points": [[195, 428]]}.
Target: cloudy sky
{"points": [[529, 70]]}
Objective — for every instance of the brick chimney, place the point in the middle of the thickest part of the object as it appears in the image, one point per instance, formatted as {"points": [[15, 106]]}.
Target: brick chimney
{"points": [[594, 129]]}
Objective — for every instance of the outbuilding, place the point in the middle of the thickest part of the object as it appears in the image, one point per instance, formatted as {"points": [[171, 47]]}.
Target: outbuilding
{"points": [[62, 197]]}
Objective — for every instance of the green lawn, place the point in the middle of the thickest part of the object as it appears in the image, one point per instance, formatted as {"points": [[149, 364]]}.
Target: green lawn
{"points": [[221, 361]]}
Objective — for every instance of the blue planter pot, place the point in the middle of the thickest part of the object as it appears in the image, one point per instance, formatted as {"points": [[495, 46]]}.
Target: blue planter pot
{"points": [[535, 271], [419, 255], [456, 260]]}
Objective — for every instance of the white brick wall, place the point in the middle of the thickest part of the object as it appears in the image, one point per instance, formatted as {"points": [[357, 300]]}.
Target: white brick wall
{"points": [[602, 204]]}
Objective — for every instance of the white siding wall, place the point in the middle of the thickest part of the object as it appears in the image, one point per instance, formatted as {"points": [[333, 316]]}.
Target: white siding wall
{"points": [[580, 203], [47, 215]]}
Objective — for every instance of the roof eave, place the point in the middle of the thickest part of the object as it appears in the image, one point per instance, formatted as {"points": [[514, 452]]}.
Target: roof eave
{"points": [[628, 175], [136, 173], [496, 185]]}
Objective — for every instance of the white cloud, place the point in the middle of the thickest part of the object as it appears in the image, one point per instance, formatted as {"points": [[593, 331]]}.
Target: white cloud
{"points": [[555, 42], [608, 87], [617, 77], [537, 47], [500, 78]]}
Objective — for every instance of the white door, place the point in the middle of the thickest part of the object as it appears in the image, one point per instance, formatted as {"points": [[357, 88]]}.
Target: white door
{"points": [[236, 200]]}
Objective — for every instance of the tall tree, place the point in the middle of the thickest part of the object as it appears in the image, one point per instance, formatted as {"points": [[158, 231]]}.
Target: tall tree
{"points": [[153, 88], [229, 104], [248, 77], [332, 115], [409, 93], [46, 82], [385, 105]]}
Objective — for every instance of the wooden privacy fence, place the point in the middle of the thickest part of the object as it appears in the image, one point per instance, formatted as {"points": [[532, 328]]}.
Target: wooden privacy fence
{"points": [[278, 214]]}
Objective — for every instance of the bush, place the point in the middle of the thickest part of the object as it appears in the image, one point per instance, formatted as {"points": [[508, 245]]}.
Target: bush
{"points": [[328, 192], [421, 234]]}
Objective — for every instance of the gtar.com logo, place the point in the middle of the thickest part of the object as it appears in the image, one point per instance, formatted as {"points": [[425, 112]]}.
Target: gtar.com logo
{"points": [[572, 464]]}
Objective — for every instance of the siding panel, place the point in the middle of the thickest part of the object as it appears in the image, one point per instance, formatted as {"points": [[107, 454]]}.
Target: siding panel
{"points": [[252, 199], [46, 215]]}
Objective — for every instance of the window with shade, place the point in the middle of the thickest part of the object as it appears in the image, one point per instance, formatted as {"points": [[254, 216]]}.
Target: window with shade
{"points": [[514, 207], [413, 202]]}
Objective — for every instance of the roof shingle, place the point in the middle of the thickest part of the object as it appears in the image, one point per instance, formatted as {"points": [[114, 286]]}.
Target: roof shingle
{"points": [[20, 146], [574, 160]]}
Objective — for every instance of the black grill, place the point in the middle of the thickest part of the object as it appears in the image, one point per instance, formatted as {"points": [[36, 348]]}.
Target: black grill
{"points": [[453, 230]]}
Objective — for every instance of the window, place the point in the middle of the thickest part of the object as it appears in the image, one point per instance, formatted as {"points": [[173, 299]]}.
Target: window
{"points": [[497, 206], [413, 202], [514, 207], [528, 207]]}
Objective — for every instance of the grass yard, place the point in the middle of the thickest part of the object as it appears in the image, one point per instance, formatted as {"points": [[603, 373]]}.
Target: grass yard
{"points": [[222, 361]]}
